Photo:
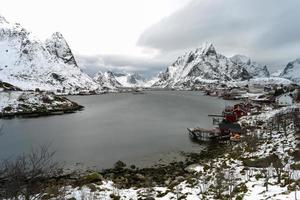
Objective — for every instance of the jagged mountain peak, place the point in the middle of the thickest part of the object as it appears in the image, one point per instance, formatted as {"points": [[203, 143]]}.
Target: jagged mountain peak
{"points": [[57, 35], [205, 64], [206, 49], [29, 63], [12, 30], [3, 20], [58, 46]]}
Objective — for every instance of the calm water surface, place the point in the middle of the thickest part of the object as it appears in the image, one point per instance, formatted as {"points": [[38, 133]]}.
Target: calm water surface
{"points": [[139, 129]]}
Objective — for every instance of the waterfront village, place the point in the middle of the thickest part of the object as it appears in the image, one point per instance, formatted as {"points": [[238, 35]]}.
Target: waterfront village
{"points": [[256, 153]]}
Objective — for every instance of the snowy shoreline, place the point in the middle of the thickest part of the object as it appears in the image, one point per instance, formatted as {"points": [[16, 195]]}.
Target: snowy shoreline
{"points": [[263, 165], [266, 168], [33, 104]]}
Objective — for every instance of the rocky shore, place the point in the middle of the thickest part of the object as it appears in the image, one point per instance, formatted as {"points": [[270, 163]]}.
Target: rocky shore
{"points": [[160, 175], [125, 177]]}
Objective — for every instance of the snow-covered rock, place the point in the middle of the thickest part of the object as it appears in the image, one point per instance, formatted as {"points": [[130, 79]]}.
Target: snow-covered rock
{"points": [[58, 46], [33, 103], [292, 71], [206, 65], [28, 63]]}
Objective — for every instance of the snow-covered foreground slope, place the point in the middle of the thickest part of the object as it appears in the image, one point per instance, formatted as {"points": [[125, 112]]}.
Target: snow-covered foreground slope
{"points": [[292, 71], [29, 63], [206, 65]]}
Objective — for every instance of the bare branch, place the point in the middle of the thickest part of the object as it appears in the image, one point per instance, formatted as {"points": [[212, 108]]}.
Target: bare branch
{"points": [[27, 175]]}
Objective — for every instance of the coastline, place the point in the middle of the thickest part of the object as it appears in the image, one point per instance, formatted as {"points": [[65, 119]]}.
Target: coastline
{"points": [[34, 104], [233, 170], [240, 165]]}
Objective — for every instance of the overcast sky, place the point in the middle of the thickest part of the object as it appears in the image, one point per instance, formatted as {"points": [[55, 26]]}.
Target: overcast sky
{"points": [[147, 35]]}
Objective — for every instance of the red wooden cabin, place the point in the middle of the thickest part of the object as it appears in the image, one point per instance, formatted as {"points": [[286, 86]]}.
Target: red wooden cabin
{"points": [[240, 110], [232, 114], [229, 116]]}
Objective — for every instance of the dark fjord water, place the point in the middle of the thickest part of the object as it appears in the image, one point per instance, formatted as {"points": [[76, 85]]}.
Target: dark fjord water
{"points": [[135, 128]]}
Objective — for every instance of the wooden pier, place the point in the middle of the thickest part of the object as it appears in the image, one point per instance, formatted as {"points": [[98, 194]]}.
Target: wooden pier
{"points": [[202, 134], [216, 119], [228, 129], [206, 135]]}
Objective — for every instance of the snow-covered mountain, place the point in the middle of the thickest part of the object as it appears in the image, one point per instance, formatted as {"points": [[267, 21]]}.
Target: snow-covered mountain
{"points": [[206, 65], [119, 79], [58, 46], [292, 71], [28, 63], [253, 68], [129, 79], [107, 79]]}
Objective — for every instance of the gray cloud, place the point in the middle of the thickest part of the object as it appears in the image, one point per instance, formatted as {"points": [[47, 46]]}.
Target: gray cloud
{"points": [[93, 64], [267, 30], [90, 64]]}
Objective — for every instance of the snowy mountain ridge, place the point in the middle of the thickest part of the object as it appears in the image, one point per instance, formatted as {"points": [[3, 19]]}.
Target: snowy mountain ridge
{"points": [[130, 79], [28, 63], [107, 79], [206, 65], [292, 71], [253, 68], [120, 79]]}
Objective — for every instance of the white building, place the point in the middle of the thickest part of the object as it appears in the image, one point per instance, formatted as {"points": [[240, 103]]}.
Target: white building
{"points": [[284, 100]]}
